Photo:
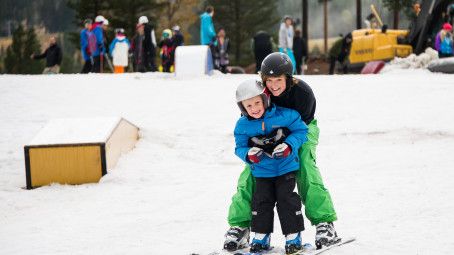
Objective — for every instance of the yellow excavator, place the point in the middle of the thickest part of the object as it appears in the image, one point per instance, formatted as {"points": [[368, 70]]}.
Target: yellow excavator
{"points": [[385, 44], [378, 44]]}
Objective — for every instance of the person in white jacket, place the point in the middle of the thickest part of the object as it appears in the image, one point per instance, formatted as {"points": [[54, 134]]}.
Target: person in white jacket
{"points": [[286, 34], [119, 49]]}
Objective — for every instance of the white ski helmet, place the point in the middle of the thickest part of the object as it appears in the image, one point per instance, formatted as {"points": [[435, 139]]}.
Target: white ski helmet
{"points": [[105, 22], [249, 89], [99, 18], [143, 20]]}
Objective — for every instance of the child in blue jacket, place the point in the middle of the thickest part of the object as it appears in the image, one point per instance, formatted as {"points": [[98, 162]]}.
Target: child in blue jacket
{"points": [[267, 138]]}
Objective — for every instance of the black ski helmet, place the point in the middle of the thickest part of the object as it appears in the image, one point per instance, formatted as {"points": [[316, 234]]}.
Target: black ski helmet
{"points": [[276, 64]]}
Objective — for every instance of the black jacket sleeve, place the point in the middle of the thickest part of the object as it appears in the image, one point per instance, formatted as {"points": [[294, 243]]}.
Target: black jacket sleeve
{"points": [[303, 100], [40, 56]]}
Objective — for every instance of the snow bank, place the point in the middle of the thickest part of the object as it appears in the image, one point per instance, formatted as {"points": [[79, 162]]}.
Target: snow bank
{"points": [[413, 61]]}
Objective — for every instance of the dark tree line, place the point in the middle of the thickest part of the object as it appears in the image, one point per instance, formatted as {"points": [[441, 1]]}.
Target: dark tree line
{"points": [[55, 15], [17, 60], [241, 20]]}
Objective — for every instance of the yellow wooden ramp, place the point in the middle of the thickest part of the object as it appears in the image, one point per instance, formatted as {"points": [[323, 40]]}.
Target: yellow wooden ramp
{"points": [[77, 151]]}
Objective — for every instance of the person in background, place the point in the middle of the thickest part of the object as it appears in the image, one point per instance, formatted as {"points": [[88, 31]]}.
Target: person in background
{"points": [[340, 52], [167, 50], [444, 41], [221, 51], [207, 32], [86, 54], [262, 46], [300, 50], [149, 45], [119, 49], [99, 50], [371, 21], [414, 16], [138, 50], [286, 39], [53, 57], [178, 37]]}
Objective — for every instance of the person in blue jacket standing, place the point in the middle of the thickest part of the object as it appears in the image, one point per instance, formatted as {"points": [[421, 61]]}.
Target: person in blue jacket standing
{"points": [[98, 52], [207, 32], [268, 137], [86, 54]]}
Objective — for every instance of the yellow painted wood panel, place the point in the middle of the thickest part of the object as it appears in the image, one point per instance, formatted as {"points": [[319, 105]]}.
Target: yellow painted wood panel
{"points": [[65, 165]]}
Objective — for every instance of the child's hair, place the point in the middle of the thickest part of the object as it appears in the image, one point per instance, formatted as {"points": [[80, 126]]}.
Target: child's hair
{"points": [[209, 9]]}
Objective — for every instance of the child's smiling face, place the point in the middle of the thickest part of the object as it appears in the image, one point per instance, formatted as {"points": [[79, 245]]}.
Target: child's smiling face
{"points": [[276, 85], [254, 107]]}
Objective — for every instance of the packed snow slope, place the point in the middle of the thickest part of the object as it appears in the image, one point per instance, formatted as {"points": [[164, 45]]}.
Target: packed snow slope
{"points": [[385, 153]]}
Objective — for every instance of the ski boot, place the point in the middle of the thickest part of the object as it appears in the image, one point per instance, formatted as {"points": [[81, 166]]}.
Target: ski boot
{"points": [[261, 242], [293, 243], [236, 238], [325, 235]]}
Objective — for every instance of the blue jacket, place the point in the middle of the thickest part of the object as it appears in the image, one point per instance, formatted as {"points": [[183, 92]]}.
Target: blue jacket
{"points": [[207, 32], [275, 117], [84, 43], [115, 41], [99, 40]]}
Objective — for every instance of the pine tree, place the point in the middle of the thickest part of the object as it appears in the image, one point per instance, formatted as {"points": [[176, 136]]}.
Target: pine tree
{"points": [[17, 60], [125, 14], [241, 20], [396, 6]]}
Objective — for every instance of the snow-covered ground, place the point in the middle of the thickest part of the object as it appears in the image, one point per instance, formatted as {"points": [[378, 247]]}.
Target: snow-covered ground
{"points": [[386, 153]]}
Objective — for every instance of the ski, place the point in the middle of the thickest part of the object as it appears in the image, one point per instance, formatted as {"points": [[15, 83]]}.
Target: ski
{"points": [[322, 250], [270, 250]]}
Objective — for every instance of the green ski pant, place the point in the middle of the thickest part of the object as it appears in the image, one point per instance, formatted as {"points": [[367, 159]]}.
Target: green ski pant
{"points": [[315, 197]]}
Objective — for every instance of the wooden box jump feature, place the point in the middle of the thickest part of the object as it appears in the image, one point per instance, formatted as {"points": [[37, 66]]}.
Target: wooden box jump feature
{"points": [[77, 151]]}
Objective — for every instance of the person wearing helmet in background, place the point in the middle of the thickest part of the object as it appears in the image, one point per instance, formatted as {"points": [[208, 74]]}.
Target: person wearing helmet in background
{"points": [[119, 49], [286, 39], [267, 138], [178, 37], [167, 50], [84, 46], [444, 41], [290, 92], [105, 26], [137, 49], [207, 32], [98, 52], [149, 44]]}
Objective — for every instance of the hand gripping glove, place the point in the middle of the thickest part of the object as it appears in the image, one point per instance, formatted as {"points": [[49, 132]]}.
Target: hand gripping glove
{"points": [[281, 151], [255, 154]]}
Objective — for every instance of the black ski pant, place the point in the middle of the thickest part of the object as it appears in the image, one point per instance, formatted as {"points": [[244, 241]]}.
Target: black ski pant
{"points": [[96, 64], [87, 67], [332, 65], [299, 63], [277, 191], [148, 62]]}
